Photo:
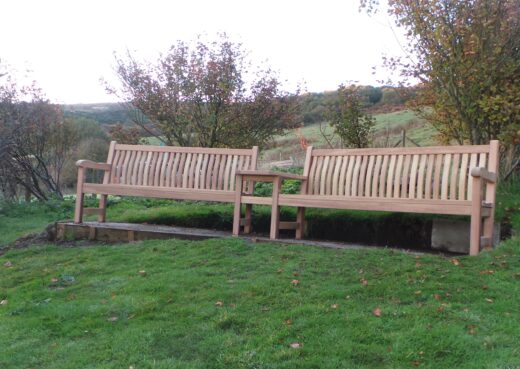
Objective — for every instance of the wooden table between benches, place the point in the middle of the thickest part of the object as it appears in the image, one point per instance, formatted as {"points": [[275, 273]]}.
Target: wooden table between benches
{"points": [[276, 178]]}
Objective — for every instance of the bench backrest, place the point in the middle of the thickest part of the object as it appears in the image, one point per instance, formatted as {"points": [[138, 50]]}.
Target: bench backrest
{"points": [[441, 172], [178, 167]]}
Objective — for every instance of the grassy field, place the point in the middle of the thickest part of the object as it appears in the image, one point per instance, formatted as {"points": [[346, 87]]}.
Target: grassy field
{"points": [[387, 131], [231, 304]]}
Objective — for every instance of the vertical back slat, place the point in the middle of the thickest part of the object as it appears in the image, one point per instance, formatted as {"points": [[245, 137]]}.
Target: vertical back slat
{"points": [[420, 177], [312, 172], [198, 167], [376, 178], [446, 176], [390, 177], [323, 175], [233, 171], [328, 180], [413, 177], [229, 159], [355, 176], [454, 176], [335, 176], [463, 176], [406, 176], [437, 175], [397, 175], [342, 175], [429, 176], [382, 176], [362, 174], [369, 175]]}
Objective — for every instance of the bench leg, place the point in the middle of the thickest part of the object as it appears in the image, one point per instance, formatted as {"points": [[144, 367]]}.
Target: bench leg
{"points": [[300, 221], [102, 217], [238, 205], [476, 217], [78, 212], [247, 226], [489, 226], [275, 210]]}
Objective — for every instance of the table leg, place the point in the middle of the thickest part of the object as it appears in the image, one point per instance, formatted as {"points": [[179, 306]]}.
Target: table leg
{"points": [[275, 209], [238, 198]]}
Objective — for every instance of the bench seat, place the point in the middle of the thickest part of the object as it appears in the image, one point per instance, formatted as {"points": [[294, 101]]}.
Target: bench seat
{"points": [[180, 173]]}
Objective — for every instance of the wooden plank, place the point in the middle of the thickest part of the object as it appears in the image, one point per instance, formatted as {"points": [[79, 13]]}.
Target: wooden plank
{"points": [[390, 178], [420, 180], [115, 168], [342, 174], [78, 211], [191, 170], [405, 150], [413, 177], [323, 175], [153, 168], [317, 178], [110, 160], [375, 180], [312, 173], [236, 213], [369, 175], [335, 175], [192, 150], [437, 175], [135, 167], [169, 169], [476, 215], [348, 181], [472, 164], [454, 176], [125, 167], [275, 209], [382, 177], [210, 171], [175, 170], [463, 177], [445, 176], [355, 176], [203, 171], [490, 191], [186, 170], [233, 171], [163, 176], [406, 176], [362, 174], [398, 176], [429, 176], [196, 181], [221, 170], [328, 179], [227, 172]]}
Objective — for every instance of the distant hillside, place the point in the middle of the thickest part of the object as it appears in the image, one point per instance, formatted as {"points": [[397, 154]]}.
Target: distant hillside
{"points": [[103, 113]]}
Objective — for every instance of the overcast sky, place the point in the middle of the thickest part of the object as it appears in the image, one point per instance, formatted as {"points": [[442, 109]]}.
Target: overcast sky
{"points": [[69, 45]]}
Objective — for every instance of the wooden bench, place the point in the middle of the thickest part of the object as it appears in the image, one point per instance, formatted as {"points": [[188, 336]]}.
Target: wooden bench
{"points": [[440, 180], [182, 173]]}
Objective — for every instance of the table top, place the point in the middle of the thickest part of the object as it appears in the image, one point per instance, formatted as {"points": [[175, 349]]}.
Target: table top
{"points": [[269, 173]]}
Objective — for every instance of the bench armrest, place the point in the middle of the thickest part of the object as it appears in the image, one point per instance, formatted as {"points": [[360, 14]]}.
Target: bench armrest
{"points": [[89, 164], [484, 174]]}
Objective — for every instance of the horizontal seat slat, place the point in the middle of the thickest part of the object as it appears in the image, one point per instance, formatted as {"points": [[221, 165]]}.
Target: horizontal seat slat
{"points": [[161, 192]]}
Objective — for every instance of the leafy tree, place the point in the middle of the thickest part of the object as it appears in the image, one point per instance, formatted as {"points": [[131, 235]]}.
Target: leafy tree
{"points": [[466, 56], [199, 95], [349, 123], [35, 142]]}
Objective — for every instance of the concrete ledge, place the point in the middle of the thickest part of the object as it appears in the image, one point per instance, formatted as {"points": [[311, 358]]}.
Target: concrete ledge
{"points": [[453, 235]]}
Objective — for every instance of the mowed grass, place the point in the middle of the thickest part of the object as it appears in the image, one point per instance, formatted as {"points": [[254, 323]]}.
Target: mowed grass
{"points": [[231, 304]]}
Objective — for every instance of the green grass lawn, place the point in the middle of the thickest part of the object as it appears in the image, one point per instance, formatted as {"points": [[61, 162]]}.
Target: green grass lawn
{"points": [[226, 303], [229, 304]]}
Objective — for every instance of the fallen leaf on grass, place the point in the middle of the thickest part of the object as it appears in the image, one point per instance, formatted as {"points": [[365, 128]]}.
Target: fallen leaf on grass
{"points": [[471, 329], [416, 363], [287, 322], [487, 271], [219, 304], [113, 319], [142, 273], [8, 264], [485, 287], [436, 296], [377, 312], [296, 274], [334, 306], [54, 280], [4, 302], [295, 282], [296, 345], [364, 282], [418, 292], [489, 300], [455, 262], [280, 270]]}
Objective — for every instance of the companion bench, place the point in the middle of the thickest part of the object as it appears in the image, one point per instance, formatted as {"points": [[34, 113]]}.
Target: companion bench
{"points": [[440, 180], [182, 173]]}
